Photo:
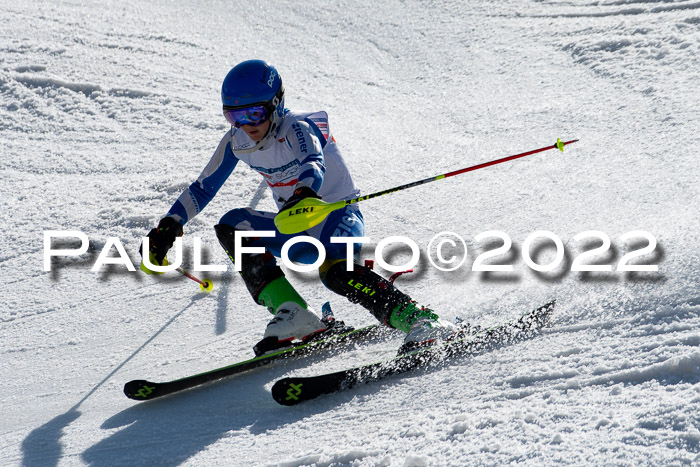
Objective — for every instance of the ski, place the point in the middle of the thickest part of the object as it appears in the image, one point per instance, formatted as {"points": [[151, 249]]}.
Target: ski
{"points": [[294, 390], [142, 390]]}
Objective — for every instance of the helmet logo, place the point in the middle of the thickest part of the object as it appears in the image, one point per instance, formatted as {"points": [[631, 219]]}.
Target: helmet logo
{"points": [[271, 79]]}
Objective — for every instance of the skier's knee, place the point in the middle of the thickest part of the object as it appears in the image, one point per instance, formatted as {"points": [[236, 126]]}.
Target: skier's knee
{"points": [[327, 266], [257, 270], [236, 216], [227, 238]]}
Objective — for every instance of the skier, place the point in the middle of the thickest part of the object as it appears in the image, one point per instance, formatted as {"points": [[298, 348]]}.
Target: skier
{"points": [[298, 158]]}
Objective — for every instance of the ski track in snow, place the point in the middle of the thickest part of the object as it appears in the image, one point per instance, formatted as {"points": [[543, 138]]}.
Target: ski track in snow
{"points": [[108, 111]]}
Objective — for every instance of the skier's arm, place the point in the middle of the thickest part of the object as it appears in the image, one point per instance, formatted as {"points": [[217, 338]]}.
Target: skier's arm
{"points": [[194, 199]]}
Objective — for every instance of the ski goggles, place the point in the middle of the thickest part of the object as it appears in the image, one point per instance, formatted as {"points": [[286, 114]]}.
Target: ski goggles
{"points": [[254, 115]]}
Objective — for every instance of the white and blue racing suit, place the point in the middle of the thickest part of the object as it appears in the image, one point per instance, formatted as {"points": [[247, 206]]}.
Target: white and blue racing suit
{"points": [[301, 153]]}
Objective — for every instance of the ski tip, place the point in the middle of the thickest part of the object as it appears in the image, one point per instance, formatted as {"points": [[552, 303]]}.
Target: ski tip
{"points": [[545, 312], [140, 389], [548, 307]]}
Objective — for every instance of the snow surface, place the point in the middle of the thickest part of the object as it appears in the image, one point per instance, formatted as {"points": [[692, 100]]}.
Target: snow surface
{"points": [[109, 109]]}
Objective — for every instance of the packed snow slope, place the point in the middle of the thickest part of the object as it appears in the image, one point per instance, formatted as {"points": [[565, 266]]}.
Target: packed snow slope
{"points": [[109, 109]]}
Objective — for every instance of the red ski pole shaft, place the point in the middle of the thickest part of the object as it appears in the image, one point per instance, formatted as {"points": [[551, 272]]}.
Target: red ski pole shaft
{"points": [[190, 276], [558, 145], [205, 284]]}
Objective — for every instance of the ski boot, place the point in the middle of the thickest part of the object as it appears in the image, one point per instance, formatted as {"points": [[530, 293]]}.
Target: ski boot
{"points": [[295, 325], [333, 326], [291, 323], [422, 326]]}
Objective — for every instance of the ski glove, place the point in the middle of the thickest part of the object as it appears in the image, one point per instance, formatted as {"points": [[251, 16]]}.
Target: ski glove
{"points": [[299, 194], [160, 240]]}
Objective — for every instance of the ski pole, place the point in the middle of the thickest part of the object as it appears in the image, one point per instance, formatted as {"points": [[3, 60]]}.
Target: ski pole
{"points": [[312, 211], [205, 284]]}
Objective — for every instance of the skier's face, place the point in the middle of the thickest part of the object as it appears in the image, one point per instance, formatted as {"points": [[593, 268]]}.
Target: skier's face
{"points": [[256, 133]]}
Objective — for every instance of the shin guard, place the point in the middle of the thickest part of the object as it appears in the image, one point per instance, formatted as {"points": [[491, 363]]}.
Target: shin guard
{"points": [[365, 287], [257, 270]]}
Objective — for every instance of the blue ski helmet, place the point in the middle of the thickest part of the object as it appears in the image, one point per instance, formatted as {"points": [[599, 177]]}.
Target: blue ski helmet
{"points": [[253, 83]]}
